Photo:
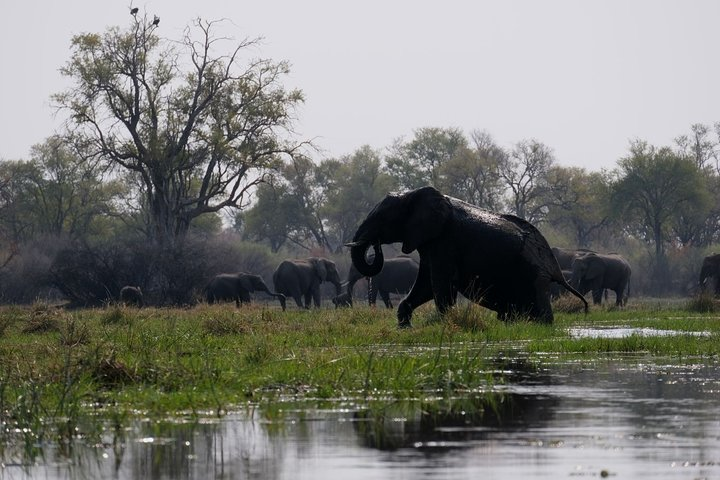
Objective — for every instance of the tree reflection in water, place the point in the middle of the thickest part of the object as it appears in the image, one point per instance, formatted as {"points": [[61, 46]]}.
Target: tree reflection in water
{"points": [[637, 415], [462, 421]]}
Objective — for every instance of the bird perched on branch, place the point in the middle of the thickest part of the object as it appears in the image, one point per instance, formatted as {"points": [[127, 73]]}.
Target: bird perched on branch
{"points": [[156, 20], [133, 10]]}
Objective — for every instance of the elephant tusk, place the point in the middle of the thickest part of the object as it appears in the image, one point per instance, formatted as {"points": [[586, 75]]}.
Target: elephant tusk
{"points": [[353, 244]]}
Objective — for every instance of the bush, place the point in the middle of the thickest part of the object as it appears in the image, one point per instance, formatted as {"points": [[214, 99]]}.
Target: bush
{"points": [[43, 318], [703, 303]]}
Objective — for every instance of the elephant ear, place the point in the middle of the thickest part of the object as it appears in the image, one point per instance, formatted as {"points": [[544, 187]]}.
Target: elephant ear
{"points": [[320, 268], [246, 284], [595, 269], [428, 211]]}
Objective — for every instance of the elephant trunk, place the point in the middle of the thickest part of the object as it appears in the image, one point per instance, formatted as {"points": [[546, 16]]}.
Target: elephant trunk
{"points": [[358, 252]]}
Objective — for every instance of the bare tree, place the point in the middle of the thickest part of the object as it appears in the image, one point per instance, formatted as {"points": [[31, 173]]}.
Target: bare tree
{"points": [[698, 146], [472, 174], [524, 173]]}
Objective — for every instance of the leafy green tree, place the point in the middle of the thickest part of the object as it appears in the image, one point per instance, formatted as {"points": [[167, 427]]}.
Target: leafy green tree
{"points": [[16, 213], [654, 186], [698, 227], [270, 217], [419, 162], [353, 185], [578, 202], [288, 209], [58, 192], [198, 129]]}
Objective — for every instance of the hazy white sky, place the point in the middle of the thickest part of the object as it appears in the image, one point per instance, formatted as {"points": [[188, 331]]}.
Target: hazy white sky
{"points": [[584, 77]]}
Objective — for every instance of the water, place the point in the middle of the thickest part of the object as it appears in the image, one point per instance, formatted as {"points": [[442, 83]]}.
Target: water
{"points": [[617, 417], [622, 332]]}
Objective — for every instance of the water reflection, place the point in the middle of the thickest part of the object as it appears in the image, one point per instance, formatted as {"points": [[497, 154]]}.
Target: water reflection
{"points": [[623, 332], [632, 417]]}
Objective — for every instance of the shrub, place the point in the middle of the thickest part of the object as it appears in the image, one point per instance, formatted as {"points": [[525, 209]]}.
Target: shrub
{"points": [[703, 303], [43, 318], [568, 303]]}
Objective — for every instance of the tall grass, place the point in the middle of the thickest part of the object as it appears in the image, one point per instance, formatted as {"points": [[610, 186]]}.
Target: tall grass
{"points": [[65, 364]]}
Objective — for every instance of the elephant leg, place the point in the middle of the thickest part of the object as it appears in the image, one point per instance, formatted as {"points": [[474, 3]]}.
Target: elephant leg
{"points": [[316, 297], [597, 296], [541, 308], [298, 299], [421, 292], [242, 298], [386, 298], [372, 293], [444, 292], [308, 299]]}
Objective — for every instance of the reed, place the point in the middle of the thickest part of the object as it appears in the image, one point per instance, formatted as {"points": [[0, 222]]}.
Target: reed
{"points": [[60, 364]]}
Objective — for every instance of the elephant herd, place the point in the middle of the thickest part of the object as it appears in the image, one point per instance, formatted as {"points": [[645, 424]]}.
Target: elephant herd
{"points": [[499, 261]]}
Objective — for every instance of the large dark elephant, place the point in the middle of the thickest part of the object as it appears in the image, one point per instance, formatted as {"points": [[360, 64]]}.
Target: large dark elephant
{"points": [[302, 278], [131, 295], [596, 272], [501, 262], [237, 286], [556, 290], [710, 273], [397, 276]]}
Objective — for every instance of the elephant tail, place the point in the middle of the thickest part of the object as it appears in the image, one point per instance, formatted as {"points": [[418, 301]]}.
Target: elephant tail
{"points": [[281, 298], [570, 289], [628, 291]]}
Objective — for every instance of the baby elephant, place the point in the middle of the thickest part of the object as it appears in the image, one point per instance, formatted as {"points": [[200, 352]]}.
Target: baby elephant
{"points": [[342, 300], [131, 295]]}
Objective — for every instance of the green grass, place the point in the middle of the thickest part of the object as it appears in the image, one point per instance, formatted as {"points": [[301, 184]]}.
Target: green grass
{"points": [[211, 359]]}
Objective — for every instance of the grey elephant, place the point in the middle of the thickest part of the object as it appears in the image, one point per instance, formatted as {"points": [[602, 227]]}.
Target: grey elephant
{"points": [[397, 276], [565, 256], [342, 300], [131, 295], [301, 279], [227, 287], [500, 261], [596, 272], [710, 273]]}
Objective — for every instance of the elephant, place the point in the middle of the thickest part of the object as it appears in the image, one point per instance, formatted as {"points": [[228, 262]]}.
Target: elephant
{"points": [[302, 278], [556, 289], [238, 287], [131, 295], [397, 276], [342, 300], [500, 261], [597, 272], [710, 273], [565, 256]]}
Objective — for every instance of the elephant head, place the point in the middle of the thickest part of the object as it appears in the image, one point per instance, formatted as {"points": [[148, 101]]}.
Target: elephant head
{"points": [[587, 269], [414, 219], [131, 295], [710, 272], [326, 271]]}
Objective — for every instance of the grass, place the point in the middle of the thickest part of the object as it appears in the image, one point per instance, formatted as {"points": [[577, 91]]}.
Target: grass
{"points": [[211, 359]]}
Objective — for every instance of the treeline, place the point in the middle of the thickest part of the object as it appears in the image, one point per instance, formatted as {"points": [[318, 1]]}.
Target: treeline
{"points": [[71, 227], [179, 161]]}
